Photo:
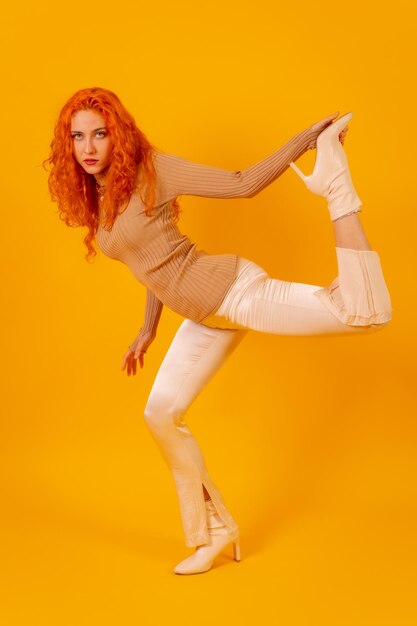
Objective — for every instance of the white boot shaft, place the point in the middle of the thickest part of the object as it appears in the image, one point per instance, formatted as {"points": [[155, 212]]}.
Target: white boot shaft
{"points": [[331, 175]]}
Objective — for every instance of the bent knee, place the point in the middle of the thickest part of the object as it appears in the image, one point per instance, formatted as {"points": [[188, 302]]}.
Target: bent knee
{"points": [[154, 412], [161, 411]]}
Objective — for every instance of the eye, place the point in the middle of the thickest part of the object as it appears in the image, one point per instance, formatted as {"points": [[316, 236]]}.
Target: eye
{"points": [[101, 132], [76, 135]]}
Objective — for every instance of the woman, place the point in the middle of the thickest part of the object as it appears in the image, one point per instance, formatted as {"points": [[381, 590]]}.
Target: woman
{"points": [[107, 176]]}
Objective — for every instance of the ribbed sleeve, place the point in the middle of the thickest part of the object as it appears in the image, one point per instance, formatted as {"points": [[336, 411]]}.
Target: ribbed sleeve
{"points": [[178, 176], [153, 310]]}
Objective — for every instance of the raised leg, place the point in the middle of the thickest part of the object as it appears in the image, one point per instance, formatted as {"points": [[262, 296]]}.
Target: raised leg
{"points": [[349, 233], [358, 297], [194, 356], [357, 300]]}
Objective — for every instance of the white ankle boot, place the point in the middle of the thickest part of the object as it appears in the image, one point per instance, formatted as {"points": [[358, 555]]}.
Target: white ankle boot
{"points": [[204, 555], [331, 176]]}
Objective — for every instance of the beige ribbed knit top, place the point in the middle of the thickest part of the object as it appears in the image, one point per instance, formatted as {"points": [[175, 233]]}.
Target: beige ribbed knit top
{"points": [[176, 273]]}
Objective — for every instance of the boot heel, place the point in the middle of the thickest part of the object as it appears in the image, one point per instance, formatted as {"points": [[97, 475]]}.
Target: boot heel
{"points": [[236, 550], [298, 171]]}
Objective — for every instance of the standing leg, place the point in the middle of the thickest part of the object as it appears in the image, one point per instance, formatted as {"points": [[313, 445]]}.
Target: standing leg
{"points": [[194, 356]]}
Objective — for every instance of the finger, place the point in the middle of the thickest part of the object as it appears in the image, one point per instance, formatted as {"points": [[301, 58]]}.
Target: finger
{"points": [[141, 360], [134, 365]]}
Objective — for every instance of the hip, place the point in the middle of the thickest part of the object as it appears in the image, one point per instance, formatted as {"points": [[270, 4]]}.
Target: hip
{"points": [[247, 274]]}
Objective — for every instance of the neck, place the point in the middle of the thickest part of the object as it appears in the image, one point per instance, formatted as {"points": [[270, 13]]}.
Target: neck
{"points": [[100, 180]]}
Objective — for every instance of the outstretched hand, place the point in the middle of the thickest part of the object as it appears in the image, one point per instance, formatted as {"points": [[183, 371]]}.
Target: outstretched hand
{"points": [[136, 352], [129, 360], [318, 127]]}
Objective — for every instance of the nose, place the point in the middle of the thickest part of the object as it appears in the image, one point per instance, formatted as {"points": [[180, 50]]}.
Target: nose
{"points": [[89, 147]]}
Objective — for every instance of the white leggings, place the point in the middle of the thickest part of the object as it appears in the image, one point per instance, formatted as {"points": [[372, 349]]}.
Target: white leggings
{"points": [[357, 301]]}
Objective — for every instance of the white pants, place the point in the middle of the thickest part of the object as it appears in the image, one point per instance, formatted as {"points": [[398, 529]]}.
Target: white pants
{"points": [[357, 301]]}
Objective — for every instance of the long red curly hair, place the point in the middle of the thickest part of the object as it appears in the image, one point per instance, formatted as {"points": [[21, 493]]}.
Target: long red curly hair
{"points": [[74, 190]]}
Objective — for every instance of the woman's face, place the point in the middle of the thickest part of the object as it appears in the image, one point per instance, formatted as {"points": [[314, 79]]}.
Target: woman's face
{"points": [[92, 146]]}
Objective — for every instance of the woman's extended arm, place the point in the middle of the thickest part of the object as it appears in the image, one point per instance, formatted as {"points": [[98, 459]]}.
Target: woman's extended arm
{"points": [[178, 176], [153, 310]]}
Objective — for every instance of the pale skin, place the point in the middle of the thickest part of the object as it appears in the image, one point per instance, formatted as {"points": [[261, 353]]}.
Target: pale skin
{"points": [[91, 140]]}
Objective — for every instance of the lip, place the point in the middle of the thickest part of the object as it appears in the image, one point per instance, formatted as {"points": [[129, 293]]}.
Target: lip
{"points": [[90, 161]]}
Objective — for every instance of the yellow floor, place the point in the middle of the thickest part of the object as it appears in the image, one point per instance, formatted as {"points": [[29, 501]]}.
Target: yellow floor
{"points": [[302, 563]]}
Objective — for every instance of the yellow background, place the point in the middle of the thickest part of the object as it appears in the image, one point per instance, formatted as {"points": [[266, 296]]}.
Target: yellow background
{"points": [[312, 441]]}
